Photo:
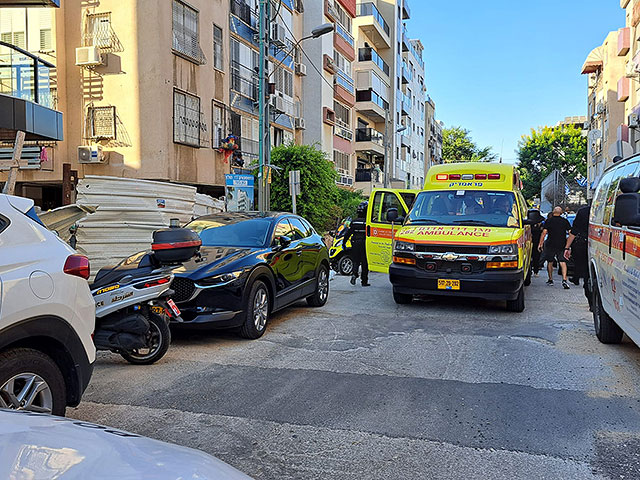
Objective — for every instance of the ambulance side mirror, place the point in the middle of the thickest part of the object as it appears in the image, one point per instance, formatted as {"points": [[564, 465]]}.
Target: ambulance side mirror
{"points": [[392, 216], [627, 207]]}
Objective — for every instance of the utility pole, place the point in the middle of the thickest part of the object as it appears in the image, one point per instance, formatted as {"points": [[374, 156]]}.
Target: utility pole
{"points": [[264, 147], [10, 185]]}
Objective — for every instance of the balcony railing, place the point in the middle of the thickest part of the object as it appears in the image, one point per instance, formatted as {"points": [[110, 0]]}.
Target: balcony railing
{"points": [[366, 9], [370, 55], [406, 72], [244, 81], [245, 13], [344, 34], [363, 174], [369, 135], [344, 81], [371, 96], [25, 76]]}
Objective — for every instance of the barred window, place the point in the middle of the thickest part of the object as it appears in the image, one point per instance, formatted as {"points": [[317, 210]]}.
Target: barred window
{"points": [[217, 48], [342, 161], [284, 81], [186, 118], [98, 33], [185, 31], [102, 122]]}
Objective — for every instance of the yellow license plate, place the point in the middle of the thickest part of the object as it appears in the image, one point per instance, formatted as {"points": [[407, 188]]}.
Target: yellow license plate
{"points": [[157, 310], [446, 284]]}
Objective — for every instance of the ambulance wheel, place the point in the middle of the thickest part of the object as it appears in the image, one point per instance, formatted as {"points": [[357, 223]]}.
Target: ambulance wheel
{"points": [[345, 265], [607, 330], [527, 279], [402, 298], [517, 305]]}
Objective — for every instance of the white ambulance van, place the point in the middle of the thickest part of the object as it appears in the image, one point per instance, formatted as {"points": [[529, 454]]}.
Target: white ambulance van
{"points": [[614, 253]]}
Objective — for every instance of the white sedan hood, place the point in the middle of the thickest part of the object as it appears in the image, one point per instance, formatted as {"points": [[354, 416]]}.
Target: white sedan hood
{"points": [[44, 447]]}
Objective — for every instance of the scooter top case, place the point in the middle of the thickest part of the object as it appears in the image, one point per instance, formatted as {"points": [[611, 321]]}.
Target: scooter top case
{"points": [[175, 245]]}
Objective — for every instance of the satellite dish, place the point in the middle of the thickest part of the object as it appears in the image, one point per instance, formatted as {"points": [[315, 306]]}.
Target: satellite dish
{"points": [[620, 150], [595, 135]]}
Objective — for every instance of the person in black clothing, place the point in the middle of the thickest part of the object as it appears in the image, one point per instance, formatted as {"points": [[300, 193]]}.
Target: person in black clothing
{"points": [[357, 232], [577, 247], [556, 227], [537, 220]]}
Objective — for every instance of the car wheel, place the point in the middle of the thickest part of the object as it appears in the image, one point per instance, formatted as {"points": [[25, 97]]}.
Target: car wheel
{"points": [[158, 340], [517, 305], [256, 312], [31, 380], [607, 330], [402, 298], [345, 265], [319, 298], [527, 279]]}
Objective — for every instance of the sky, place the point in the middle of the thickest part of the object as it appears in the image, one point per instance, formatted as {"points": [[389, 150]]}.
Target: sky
{"points": [[502, 67]]}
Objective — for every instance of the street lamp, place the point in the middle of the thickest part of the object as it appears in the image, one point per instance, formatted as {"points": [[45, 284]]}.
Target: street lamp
{"points": [[263, 107]]}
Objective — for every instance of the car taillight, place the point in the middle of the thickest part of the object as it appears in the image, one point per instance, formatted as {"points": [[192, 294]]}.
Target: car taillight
{"points": [[481, 176], [442, 176], [77, 265], [155, 283], [455, 176], [494, 176]]}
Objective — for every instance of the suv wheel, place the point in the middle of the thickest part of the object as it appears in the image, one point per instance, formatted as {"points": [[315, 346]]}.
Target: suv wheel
{"points": [[607, 330], [31, 380], [319, 298], [256, 311]]}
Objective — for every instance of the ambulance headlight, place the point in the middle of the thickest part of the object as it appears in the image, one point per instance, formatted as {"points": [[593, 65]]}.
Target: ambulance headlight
{"points": [[404, 247], [511, 249]]}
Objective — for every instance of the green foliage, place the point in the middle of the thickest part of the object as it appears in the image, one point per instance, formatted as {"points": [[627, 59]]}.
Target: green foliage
{"points": [[457, 146], [548, 149], [321, 201]]}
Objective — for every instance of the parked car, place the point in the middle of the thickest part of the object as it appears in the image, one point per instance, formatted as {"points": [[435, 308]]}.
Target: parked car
{"points": [[47, 314], [34, 445], [251, 265]]}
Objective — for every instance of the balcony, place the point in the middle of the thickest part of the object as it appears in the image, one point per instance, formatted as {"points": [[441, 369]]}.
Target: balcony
{"points": [[370, 55], [371, 105], [406, 11], [624, 41], [243, 21], [407, 74], [346, 36], [405, 103], [369, 141], [624, 87], [404, 140], [373, 24], [244, 81], [406, 45], [26, 99]]}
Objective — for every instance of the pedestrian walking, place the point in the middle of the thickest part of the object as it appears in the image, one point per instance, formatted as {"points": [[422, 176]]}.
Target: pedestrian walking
{"points": [[556, 228], [357, 232], [577, 247], [537, 220]]}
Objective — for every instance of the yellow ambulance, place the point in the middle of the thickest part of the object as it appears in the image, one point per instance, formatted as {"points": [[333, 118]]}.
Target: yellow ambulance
{"points": [[466, 235]]}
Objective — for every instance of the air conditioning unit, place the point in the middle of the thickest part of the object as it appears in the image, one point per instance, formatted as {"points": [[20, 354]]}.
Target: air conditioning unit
{"points": [[301, 69], [90, 154], [298, 123], [277, 103], [278, 35], [634, 120], [88, 56]]}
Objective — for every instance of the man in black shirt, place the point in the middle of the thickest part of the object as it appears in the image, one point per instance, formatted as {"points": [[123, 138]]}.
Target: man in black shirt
{"points": [[556, 228], [357, 232], [577, 247]]}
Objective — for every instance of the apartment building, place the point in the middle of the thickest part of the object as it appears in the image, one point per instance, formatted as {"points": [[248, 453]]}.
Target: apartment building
{"points": [[328, 87], [285, 76], [433, 136], [141, 84]]}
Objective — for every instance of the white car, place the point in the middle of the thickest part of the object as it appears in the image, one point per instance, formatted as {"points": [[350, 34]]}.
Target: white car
{"points": [[34, 445], [47, 314]]}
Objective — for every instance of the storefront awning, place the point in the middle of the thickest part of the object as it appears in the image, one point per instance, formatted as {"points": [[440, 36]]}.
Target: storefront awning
{"points": [[593, 63]]}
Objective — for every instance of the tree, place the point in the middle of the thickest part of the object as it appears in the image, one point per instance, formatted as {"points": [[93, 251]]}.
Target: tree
{"points": [[457, 146], [547, 149], [320, 201]]}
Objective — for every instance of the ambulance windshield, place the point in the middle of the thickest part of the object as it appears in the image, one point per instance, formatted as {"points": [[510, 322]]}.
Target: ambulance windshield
{"points": [[465, 207]]}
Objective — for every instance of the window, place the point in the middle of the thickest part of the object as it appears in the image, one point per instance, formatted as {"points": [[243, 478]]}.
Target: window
{"points": [[218, 121], [284, 81], [186, 118], [102, 122], [382, 202], [15, 38], [98, 32], [299, 230], [342, 161], [45, 40], [343, 17], [342, 63], [343, 114], [185, 32], [217, 48], [283, 229], [4, 223]]}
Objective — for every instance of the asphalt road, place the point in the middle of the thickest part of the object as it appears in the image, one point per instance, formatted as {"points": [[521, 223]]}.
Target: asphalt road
{"points": [[366, 389]]}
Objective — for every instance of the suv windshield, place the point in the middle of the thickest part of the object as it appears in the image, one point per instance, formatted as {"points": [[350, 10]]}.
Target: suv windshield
{"points": [[465, 207], [247, 233]]}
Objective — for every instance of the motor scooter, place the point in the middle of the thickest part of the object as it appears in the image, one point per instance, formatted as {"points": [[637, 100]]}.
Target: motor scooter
{"points": [[133, 299]]}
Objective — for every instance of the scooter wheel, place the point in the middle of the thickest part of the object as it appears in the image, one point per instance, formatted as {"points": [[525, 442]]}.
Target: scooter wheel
{"points": [[159, 338]]}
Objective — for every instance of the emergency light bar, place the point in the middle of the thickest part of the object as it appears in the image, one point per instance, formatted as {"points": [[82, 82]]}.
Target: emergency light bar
{"points": [[467, 176]]}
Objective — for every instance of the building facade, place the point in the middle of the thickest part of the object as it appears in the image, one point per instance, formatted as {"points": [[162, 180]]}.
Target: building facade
{"points": [[433, 134]]}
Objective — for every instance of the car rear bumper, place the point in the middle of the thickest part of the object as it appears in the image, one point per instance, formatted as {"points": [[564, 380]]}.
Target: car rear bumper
{"points": [[488, 285]]}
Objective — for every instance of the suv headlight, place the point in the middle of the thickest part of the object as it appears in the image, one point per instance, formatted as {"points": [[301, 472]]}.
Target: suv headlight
{"points": [[510, 249], [404, 247], [221, 279]]}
